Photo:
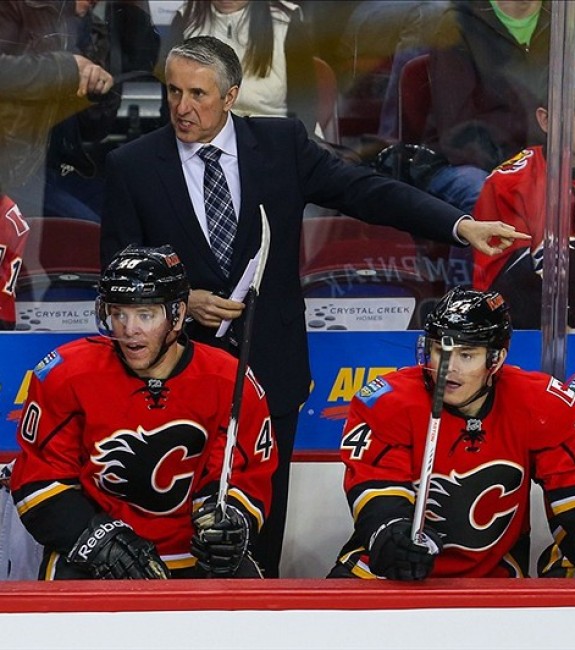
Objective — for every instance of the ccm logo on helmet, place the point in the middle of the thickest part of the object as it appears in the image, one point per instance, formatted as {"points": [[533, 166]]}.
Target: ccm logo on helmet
{"points": [[122, 289], [98, 534]]}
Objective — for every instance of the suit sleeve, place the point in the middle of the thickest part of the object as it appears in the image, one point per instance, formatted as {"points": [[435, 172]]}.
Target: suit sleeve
{"points": [[360, 192]]}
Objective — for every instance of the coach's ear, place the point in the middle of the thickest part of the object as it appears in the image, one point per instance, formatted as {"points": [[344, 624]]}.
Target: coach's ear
{"points": [[230, 98]]}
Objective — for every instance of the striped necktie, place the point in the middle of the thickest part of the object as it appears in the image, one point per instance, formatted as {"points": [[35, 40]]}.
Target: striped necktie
{"points": [[220, 214]]}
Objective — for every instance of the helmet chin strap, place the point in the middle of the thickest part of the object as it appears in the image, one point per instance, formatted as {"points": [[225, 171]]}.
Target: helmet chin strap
{"points": [[484, 390], [163, 349]]}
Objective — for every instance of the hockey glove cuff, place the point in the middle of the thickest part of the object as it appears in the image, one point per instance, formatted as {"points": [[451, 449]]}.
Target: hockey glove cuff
{"points": [[393, 554], [109, 549]]}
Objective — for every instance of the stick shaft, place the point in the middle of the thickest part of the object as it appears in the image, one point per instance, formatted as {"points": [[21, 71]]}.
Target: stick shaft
{"points": [[250, 302], [232, 432], [431, 439]]}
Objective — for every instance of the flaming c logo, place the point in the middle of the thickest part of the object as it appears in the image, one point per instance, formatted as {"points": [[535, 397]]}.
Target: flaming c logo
{"points": [[152, 470], [472, 511]]}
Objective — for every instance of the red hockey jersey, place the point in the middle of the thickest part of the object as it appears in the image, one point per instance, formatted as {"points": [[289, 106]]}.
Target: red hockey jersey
{"points": [[140, 450], [479, 497], [13, 235], [515, 192]]}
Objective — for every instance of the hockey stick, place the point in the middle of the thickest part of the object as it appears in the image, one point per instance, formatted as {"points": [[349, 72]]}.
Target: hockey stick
{"points": [[232, 433], [431, 439]]}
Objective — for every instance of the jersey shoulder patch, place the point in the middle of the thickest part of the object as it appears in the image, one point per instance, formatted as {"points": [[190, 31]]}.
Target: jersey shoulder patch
{"points": [[516, 163], [371, 392], [48, 363]]}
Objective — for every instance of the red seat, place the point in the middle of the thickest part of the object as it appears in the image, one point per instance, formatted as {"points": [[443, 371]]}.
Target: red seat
{"points": [[62, 257], [346, 257], [414, 99]]}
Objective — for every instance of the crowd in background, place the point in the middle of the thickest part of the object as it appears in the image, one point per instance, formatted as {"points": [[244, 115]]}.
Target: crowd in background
{"points": [[359, 75]]}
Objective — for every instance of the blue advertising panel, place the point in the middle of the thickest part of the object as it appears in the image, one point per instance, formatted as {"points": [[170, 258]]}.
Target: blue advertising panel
{"points": [[342, 362]]}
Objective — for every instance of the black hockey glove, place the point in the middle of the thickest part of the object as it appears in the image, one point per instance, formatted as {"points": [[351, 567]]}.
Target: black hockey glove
{"points": [[393, 554], [220, 544], [109, 549]]}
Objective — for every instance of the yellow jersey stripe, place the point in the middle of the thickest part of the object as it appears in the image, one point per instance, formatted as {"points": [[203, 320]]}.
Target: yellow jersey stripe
{"points": [[40, 496], [394, 491]]}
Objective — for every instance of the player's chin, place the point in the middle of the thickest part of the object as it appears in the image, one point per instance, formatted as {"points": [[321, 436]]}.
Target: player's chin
{"points": [[137, 358], [453, 395]]}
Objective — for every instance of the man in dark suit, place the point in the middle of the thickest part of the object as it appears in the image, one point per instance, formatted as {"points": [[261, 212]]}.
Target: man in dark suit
{"points": [[155, 195]]}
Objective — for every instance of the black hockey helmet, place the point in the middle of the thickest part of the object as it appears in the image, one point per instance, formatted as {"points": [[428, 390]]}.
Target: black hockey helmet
{"points": [[144, 275], [470, 317], [141, 275]]}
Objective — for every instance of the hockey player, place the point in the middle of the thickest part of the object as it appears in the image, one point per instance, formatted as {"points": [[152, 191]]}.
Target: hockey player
{"points": [[516, 190], [122, 439], [13, 235], [500, 428]]}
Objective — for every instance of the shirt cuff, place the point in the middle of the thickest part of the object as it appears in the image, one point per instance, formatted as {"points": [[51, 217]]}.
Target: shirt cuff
{"points": [[457, 238]]}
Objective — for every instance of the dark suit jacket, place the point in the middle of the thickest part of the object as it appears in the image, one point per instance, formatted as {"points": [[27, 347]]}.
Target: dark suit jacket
{"points": [[147, 202]]}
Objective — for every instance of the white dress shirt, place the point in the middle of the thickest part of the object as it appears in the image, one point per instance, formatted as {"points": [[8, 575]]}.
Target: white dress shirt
{"points": [[193, 167]]}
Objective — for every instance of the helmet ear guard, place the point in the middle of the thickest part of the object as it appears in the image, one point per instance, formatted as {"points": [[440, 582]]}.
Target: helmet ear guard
{"points": [[492, 358], [422, 350]]}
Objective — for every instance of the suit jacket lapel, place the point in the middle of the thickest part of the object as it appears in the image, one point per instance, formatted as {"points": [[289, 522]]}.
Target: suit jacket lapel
{"points": [[252, 170], [172, 177]]}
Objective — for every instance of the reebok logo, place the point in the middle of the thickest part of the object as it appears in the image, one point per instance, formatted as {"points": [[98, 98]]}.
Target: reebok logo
{"points": [[98, 534]]}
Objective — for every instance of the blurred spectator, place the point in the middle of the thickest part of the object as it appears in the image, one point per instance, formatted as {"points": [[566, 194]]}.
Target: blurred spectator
{"points": [[37, 29], [483, 98], [483, 79], [123, 41], [378, 39], [516, 191], [414, 25], [272, 43]]}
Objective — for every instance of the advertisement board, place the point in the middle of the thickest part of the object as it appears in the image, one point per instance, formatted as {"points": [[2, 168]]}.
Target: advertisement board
{"points": [[341, 361]]}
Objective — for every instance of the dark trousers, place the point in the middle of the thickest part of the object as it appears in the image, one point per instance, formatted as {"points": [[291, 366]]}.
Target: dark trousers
{"points": [[268, 546]]}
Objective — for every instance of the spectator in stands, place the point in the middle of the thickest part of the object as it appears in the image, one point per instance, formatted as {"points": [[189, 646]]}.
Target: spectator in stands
{"points": [[155, 191], [123, 41], [501, 427], [273, 45], [378, 39], [517, 192], [128, 486], [483, 94], [60, 83], [415, 33], [483, 78]]}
